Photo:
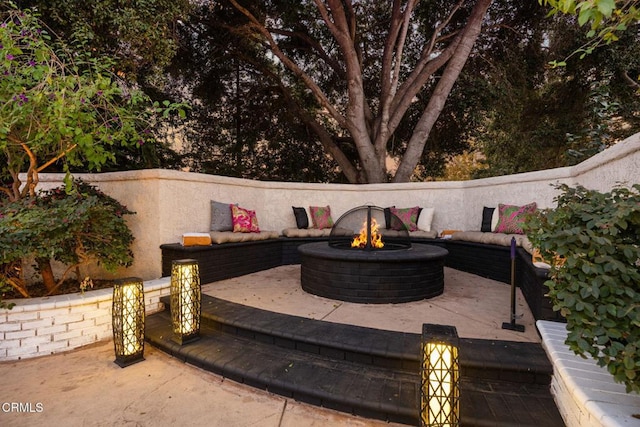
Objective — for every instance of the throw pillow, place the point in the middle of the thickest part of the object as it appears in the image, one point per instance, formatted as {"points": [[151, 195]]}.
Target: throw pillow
{"points": [[487, 214], [494, 219], [425, 218], [512, 217], [321, 217], [405, 218], [302, 220], [221, 216], [244, 220]]}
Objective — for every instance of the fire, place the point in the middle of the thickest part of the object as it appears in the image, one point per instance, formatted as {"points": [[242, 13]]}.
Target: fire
{"points": [[360, 241]]}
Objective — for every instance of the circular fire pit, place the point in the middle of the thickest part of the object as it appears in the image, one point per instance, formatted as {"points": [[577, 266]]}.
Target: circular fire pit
{"points": [[373, 276]]}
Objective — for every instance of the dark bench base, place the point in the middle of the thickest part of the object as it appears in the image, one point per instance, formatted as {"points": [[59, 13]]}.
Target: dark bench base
{"points": [[218, 262]]}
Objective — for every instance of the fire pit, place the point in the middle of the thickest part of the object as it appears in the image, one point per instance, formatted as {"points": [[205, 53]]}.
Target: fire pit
{"points": [[366, 262]]}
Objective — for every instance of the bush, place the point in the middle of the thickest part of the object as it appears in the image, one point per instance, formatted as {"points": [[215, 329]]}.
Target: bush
{"points": [[76, 227], [592, 240]]}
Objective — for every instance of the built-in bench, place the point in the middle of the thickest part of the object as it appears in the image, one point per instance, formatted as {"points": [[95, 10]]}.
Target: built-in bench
{"points": [[224, 261]]}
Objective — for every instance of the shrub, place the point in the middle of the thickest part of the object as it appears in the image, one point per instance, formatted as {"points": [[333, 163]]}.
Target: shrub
{"points": [[592, 240], [77, 227]]}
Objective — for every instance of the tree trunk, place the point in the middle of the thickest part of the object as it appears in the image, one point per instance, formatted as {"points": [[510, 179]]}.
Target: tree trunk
{"points": [[44, 267]]}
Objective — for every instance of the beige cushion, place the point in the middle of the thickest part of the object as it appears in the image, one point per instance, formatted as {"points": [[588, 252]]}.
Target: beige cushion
{"points": [[231, 237], [306, 232], [314, 232], [418, 233], [493, 238], [431, 234]]}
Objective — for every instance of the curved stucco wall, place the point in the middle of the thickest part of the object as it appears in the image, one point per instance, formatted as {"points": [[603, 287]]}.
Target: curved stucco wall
{"points": [[169, 203]]}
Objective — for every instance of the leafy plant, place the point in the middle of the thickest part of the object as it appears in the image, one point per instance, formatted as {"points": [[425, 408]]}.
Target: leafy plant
{"points": [[597, 136], [61, 105], [74, 226], [606, 19], [592, 240]]}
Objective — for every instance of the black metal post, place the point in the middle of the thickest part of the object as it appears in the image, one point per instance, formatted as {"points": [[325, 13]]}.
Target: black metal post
{"points": [[368, 246], [512, 326]]}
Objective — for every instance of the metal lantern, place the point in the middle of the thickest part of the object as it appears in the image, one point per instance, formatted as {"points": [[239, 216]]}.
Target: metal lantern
{"points": [[185, 300], [128, 321], [440, 377]]}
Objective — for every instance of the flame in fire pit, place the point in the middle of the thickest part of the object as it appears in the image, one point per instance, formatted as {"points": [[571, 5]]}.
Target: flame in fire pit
{"points": [[360, 241]]}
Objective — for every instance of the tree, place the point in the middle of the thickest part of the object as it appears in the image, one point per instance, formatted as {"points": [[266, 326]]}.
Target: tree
{"points": [[543, 116], [61, 105], [74, 227], [140, 34], [364, 66], [606, 19]]}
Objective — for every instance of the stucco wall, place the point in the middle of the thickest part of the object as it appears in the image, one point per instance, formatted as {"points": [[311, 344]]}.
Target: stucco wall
{"points": [[170, 203]]}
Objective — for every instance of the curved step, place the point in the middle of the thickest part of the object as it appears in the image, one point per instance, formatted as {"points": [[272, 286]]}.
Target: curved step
{"points": [[363, 371]]}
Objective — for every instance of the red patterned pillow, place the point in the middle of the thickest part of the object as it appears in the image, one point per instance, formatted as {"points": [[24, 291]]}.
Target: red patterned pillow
{"points": [[511, 217], [321, 217], [408, 218], [244, 220]]}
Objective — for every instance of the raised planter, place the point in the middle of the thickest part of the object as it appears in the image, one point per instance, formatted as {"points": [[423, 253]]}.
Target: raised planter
{"points": [[585, 393], [42, 326]]}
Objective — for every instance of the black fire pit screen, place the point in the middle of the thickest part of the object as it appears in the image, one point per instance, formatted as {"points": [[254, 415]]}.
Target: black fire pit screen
{"points": [[369, 228]]}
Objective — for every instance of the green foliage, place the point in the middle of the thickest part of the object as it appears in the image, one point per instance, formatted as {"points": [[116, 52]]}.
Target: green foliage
{"points": [[598, 133], [140, 34], [74, 227], [594, 239], [606, 19], [62, 105], [550, 117], [4, 287]]}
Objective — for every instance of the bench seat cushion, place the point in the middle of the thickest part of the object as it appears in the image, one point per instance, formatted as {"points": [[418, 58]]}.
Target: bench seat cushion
{"points": [[420, 234], [325, 232], [314, 232], [490, 238], [231, 237]]}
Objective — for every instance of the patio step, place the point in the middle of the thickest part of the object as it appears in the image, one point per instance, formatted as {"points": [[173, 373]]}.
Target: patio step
{"points": [[363, 371]]}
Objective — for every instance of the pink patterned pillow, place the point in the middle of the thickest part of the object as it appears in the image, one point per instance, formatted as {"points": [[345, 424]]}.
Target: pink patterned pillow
{"points": [[407, 216], [511, 217], [321, 217], [244, 220]]}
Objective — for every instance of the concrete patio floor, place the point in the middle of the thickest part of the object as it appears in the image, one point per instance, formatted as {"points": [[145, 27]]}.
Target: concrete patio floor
{"points": [[85, 388], [476, 306]]}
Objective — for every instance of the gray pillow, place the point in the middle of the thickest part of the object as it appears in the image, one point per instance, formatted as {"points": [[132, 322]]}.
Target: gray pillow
{"points": [[221, 216]]}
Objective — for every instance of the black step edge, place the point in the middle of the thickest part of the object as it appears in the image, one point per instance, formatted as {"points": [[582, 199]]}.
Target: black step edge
{"points": [[369, 346], [479, 358], [263, 366], [519, 362]]}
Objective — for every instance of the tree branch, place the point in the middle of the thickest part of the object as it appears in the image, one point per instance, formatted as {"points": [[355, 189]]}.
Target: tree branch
{"points": [[395, 43], [58, 157], [417, 142], [292, 66], [315, 47]]}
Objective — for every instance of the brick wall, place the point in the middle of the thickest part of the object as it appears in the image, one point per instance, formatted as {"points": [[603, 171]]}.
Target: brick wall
{"points": [[43, 326]]}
